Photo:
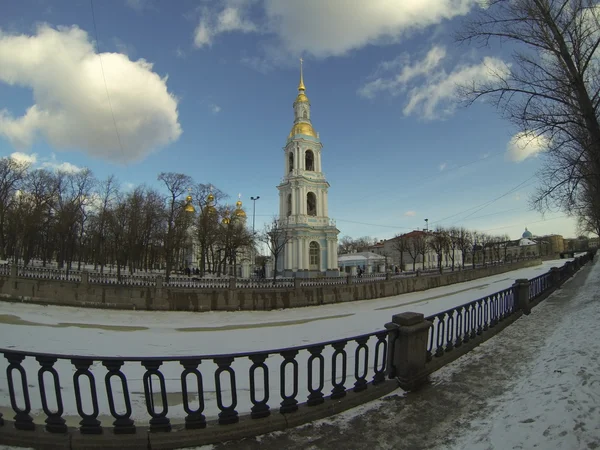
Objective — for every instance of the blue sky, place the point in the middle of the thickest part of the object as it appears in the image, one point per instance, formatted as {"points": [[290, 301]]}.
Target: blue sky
{"points": [[206, 88]]}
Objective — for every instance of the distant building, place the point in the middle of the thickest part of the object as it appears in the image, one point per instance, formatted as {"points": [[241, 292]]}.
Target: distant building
{"points": [[409, 258], [368, 261]]}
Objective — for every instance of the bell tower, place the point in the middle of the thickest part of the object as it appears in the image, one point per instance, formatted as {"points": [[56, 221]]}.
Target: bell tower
{"points": [[303, 207]]}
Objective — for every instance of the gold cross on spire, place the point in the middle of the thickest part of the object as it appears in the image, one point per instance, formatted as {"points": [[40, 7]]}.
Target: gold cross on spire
{"points": [[301, 84]]}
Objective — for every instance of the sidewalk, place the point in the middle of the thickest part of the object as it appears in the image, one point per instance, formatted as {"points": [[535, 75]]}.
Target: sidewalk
{"points": [[535, 385]]}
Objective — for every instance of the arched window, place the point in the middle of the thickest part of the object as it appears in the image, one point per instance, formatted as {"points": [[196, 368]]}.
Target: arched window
{"points": [[289, 204], [305, 115], [314, 255], [311, 204], [309, 160], [291, 161]]}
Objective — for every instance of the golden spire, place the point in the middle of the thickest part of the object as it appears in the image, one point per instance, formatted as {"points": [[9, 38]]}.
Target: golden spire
{"points": [[301, 84]]}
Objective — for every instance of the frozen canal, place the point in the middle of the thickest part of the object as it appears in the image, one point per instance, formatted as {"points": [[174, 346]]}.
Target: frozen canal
{"points": [[82, 331]]}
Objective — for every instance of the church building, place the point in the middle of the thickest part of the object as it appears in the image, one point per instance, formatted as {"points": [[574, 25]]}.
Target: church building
{"points": [[312, 246]]}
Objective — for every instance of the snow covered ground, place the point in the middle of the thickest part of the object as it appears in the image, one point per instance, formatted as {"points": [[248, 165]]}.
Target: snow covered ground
{"points": [[68, 330]]}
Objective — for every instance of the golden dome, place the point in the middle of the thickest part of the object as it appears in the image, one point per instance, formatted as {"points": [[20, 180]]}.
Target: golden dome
{"points": [[210, 210], [225, 220], [302, 128], [238, 204], [301, 98], [240, 213], [210, 198], [188, 204]]}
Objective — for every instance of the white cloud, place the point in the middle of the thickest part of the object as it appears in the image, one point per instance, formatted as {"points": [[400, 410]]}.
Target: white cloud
{"points": [[216, 109], [138, 5], [335, 27], [525, 145], [429, 89], [71, 109], [57, 166], [24, 158], [442, 166], [410, 213], [325, 28], [226, 20]]}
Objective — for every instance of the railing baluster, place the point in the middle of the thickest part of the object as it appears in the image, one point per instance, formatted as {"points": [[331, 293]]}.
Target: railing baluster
{"points": [[430, 339], [289, 403], [338, 390], [123, 423], [459, 326], [23, 421], [194, 419], [450, 331], [486, 313], [439, 338], [479, 316], [361, 380], [315, 397], [228, 414], [159, 421], [54, 422], [467, 323], [89, 422], [380, 371], [259, 408]]}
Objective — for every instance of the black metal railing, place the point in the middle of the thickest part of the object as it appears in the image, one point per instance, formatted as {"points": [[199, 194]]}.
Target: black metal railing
{"points": [[455, 326], [144, 279], [188, 388], [539, 285]]}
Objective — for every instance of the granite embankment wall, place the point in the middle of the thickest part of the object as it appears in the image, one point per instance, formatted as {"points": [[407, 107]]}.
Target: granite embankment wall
{"points": [[68, 293]]}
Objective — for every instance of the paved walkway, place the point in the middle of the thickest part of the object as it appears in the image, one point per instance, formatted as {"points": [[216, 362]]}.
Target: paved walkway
{"points": [[535, 385]]}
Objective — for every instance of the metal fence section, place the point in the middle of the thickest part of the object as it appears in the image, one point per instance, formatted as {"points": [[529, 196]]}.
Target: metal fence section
{"points": [[145, 391], [455, 326]]}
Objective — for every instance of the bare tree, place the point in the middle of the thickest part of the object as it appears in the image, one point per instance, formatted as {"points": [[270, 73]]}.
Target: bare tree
{"points": [[439, 243], [177, 185], [12, 174], [275, 235], [417, 246], [401, 245], [453, 244], [465, 244], [552, 89]]}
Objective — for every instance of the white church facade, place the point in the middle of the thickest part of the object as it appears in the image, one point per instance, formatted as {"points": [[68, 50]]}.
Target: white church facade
{"points": [[312, 244]]}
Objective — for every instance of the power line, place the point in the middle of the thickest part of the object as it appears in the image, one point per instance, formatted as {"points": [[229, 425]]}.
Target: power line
{"points": [[485, 204], [439, 175], [537, 221], [104, 78]]}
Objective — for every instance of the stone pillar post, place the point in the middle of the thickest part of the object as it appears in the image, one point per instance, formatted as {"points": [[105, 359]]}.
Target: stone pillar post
{"points": [[408, 352], [269, 270], [297, 284], [569, 269], [521, 291], [245, 269], [13, 276], [349, 278], [159, 282], [85, 278], [232, 283], [555, 277]]}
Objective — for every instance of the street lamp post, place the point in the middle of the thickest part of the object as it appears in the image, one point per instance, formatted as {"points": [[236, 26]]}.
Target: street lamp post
{"points": [[426, 224], [253, 211]]}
